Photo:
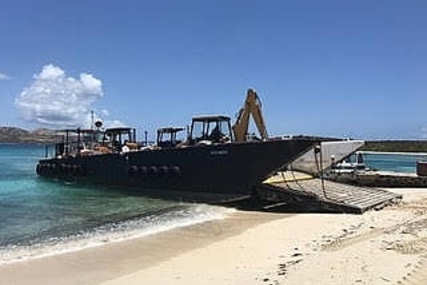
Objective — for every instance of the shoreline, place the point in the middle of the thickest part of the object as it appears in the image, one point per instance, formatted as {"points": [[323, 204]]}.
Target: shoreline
{"points": [[411, 153], [94, 240], [116, 259], [378, 247]]}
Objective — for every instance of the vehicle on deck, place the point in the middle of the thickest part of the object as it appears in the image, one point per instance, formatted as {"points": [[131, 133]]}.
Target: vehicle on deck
{"points": [[167, 137]]}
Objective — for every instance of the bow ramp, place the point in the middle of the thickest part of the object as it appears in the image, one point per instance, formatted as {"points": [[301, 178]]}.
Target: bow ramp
{"points": [[301, 190]]}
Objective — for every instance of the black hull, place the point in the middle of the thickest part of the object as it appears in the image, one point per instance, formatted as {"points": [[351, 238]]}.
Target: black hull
{"points": [[202, 172]]}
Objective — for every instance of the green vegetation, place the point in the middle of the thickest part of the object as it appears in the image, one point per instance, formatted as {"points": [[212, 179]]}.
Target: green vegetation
{"points": [[396, 146]]}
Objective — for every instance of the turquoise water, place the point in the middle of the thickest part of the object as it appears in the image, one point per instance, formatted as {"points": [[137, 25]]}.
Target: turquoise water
{"points": [[399, 162], [39, 217]]}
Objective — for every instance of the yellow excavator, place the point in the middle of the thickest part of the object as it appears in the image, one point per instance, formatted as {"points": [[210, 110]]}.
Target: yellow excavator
{"points": [[252, 107]]}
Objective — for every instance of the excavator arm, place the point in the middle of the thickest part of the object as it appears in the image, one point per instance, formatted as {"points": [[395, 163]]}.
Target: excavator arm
{"points": [[252, 107]]}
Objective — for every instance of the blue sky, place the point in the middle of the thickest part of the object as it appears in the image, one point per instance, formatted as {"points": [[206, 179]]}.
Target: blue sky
{"points": [[337, 68]]}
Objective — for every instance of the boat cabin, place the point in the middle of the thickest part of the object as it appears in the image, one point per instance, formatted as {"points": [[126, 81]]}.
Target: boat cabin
{"points": [[167, 137], [120, 139], [74, 141], [211, 129]]}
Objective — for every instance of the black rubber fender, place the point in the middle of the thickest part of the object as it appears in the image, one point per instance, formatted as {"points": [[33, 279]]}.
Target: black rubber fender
{"points": [[163, 171], [81, 170], [43, 169], [38, 169], [133, 171], [143, 171], [53, 168], [49, 169], [153, 171], [70, 169], [75, 169], [64, 168], [175, 171]]}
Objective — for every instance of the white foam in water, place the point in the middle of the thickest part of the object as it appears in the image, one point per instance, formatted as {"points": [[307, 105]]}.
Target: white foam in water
{"points": [[185, 216]]}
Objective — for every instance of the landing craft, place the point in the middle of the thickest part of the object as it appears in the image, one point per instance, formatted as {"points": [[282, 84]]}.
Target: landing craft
{"points": [[216, 163]]}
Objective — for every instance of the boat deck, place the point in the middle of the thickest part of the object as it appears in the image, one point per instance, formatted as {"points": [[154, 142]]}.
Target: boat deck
{"points": [[330, 195]]}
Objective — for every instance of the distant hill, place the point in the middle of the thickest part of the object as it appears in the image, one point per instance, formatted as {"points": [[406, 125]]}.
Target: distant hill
{"points": [[396, 146], [17, 135]]}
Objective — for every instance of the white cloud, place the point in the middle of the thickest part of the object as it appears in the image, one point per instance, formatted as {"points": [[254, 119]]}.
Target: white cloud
{"points": [[57, 100], [106, 122], [105, 112], [4, 76], [114, 124]]}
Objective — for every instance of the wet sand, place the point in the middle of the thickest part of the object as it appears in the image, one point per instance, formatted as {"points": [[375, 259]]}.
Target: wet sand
{"points": [[378, 247]]}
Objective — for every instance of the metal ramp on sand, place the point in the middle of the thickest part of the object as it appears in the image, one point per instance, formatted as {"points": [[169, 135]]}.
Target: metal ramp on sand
{"points": [[331, 195]]}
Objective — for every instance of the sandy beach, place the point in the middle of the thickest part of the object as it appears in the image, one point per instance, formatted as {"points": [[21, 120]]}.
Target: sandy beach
{"points": [[379, 247]]}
